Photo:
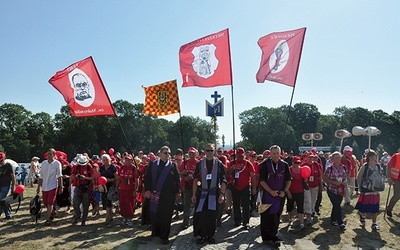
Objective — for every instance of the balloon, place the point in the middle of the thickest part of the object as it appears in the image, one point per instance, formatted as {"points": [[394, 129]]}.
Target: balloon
{"points": [[19, 189], [111, 151], [102, 180], [305, 172]]}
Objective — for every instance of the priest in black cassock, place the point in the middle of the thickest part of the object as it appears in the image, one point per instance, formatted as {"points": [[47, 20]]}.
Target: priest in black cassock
{"points": [[209, 187], [161, 182]]}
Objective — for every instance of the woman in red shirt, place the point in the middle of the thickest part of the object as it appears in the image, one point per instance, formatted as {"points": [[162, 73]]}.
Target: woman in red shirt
{"points": [[296, 192]]}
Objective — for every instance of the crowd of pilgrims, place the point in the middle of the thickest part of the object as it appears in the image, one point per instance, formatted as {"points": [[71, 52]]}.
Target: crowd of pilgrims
{"points": [[202, 185]]}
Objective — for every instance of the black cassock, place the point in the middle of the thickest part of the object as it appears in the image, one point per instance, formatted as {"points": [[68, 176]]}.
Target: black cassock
{"points": [[204, 222], [161, 220]]}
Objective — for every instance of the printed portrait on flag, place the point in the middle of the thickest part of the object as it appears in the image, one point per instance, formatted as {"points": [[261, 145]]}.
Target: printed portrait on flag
{"points": [[84, 92], [280, 59], [82, 89], [206, 62]]}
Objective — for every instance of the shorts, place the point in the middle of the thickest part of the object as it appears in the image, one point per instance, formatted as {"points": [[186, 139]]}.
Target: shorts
{"points": [[49, 197]]}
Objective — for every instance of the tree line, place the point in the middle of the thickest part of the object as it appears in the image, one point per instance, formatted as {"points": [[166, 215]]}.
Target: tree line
{"points": [[24, 134]]}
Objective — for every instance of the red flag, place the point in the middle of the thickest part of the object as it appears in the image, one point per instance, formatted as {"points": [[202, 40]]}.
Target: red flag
{"points": [[206, 62], [83, 90], [281, 52]]}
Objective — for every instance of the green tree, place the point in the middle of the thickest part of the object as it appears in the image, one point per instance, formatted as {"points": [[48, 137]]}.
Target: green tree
{"points": [[13, 131]]}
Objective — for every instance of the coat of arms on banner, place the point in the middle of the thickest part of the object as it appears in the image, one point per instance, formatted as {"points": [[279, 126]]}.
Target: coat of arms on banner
{"points": [[278, 59], [84, 92], [205, 63], [162, 98]]}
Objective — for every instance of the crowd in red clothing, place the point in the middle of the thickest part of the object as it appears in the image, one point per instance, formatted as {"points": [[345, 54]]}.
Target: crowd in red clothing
{"points": [[124, 189]]}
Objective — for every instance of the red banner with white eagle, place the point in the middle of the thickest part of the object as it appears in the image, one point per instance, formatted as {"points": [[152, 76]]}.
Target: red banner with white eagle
{"points": [[281, 52], [83, 90], [206, 62]]}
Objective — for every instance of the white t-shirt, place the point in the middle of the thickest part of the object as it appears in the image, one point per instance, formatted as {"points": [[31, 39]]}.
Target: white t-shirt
{"points": [[49, 173]]}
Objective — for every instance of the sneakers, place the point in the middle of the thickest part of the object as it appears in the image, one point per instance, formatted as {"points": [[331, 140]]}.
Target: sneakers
{"points": [[334, 223], [342, 226], [375, 226], [129, 223], [308, 221], [123, 222], [302, 227], [389, 213]]}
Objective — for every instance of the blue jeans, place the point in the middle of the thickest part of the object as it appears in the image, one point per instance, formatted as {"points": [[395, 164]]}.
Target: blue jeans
{"points": [[3, 194]]}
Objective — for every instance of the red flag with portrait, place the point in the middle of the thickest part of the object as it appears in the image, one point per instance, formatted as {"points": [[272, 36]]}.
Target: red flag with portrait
{"points": [[206, 62], [281, 52], [83, 90]]}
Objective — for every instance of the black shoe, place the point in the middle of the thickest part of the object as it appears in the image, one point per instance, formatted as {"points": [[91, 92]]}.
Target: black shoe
{"points": [[76, 220], [211, 240], [83, 223], [389, 213], [237, 224], [347, 203], [246, 227], [9, 217], [219, 223], [200, 240], [164, 241]]}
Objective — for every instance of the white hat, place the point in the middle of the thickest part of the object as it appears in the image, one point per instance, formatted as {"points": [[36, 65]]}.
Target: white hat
{"points": [[82, 160], [35, 158], [347, 148]]}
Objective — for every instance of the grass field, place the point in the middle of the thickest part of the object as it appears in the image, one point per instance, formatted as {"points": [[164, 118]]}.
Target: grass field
{"points": [[21, 233]]}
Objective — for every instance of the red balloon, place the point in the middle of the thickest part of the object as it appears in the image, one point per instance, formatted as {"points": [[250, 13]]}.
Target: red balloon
{"points": [[19, 189], [111, 151], [102, 180], [305, 172]]}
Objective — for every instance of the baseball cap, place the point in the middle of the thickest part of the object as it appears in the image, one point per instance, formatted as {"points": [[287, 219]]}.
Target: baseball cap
{"points": [[296, 159], [240, 151]]}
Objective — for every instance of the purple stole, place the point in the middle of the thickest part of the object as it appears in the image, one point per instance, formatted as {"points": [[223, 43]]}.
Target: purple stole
{"points": [[157, 185], [212, 191], [275, 180]]}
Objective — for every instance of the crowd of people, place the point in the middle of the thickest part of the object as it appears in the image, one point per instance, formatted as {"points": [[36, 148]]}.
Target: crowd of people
{"points": [[205, 184]]}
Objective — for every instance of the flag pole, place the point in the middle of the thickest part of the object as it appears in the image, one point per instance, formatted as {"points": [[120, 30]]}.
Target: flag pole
{"points": [[183, 146], [232, 96], [294, 86], [115, 113]]}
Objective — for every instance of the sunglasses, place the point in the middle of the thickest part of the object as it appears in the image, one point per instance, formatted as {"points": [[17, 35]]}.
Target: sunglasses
{"points": [[209, 150]]}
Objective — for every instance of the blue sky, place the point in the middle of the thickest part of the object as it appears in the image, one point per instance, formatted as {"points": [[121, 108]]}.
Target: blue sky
{"points": [[350, 54]]}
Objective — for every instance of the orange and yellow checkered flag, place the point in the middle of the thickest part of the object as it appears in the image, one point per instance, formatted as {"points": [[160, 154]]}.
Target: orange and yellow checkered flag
{"points": [[161, 99]]}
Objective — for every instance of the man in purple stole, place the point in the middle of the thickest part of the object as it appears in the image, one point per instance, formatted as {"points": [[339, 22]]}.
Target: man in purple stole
{"points": [[209, 187], [275, 181], [161, 182]]}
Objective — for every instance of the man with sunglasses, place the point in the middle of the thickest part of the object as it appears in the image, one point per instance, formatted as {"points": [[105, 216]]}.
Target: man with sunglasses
{"points": [[209, 187], [7, 177], [161, 182]]}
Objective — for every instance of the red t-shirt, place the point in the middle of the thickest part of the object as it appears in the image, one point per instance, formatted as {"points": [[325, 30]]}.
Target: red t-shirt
{"points": [[349, 166], [316, 174], [190, 167], [297, 182], [96, 176], [81, 170], [127, 176], [243, 170]]}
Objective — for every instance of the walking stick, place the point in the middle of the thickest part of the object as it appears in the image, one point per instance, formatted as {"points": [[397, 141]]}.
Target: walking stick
{"points": [[387, 200]]}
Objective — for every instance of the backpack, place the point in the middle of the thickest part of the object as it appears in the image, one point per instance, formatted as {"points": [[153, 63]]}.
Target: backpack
{"points": [[35, 207], [372, 182]]}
